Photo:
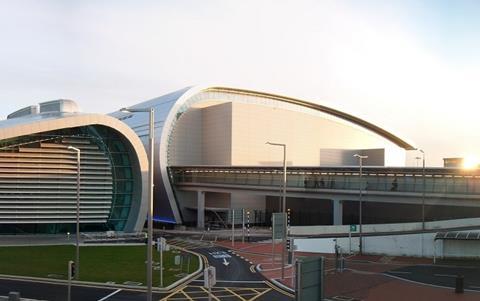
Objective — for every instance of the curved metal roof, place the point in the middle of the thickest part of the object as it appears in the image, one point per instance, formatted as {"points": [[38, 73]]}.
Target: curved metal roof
{"points": [[365, 124]]}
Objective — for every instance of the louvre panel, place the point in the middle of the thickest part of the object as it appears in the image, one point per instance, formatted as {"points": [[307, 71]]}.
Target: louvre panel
{"points": [[38, 182]]}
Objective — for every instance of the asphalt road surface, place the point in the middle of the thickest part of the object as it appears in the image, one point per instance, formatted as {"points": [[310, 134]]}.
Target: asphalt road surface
{"points": [[440, 275], [58, 292], [237, 280]]}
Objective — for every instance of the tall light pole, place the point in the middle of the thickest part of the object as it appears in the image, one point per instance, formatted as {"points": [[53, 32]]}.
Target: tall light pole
{"points": [[424, 187], [360, 233], [77, 240], [284, 202], [416, 161], [150, 194]]}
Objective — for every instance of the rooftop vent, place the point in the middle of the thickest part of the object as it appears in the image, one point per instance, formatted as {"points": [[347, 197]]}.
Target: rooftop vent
{"points": [[59, 106], [30, 110]]}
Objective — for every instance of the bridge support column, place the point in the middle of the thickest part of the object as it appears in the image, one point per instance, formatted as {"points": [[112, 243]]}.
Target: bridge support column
{"points": [[337, 212], [201, 209]]}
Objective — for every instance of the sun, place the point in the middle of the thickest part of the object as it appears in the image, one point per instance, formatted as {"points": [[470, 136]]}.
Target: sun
{"points": [[471, 161]]}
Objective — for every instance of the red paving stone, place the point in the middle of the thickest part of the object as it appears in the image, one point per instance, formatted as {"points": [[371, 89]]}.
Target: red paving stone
{"points": [[362, 280]]}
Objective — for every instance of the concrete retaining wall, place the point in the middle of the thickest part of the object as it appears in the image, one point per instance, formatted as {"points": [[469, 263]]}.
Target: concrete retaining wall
{"points": [[417, 245], [383, 228]]}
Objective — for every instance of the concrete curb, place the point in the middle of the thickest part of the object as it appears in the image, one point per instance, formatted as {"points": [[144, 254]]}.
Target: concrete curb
{"points": [[282, 286], [275, 282], [189, 276]]}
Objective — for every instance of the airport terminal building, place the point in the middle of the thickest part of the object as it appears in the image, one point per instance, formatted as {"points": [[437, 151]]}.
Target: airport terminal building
{"points": [[210, 156], [226, 127]]}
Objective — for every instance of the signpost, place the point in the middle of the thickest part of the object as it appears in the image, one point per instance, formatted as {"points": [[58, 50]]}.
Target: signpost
{"points": [[279, 225], [236, 216], [309, 273], [209, 280], [71, 274], [233, 231]]}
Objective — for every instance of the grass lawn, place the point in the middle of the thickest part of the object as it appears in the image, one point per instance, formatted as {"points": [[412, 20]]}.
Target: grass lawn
{"points": [[97, 263]]}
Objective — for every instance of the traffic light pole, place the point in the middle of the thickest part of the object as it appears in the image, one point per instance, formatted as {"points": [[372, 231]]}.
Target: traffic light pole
{"points": [[71, 266]]}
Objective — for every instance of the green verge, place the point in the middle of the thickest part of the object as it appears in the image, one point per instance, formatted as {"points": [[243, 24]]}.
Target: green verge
{"points": [[98, 263]]}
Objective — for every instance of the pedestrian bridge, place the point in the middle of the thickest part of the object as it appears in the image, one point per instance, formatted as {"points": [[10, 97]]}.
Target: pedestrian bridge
{"points": [[403, 185]]}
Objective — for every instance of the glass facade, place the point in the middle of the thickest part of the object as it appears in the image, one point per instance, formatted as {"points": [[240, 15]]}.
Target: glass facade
{"points": [[439, 181]]}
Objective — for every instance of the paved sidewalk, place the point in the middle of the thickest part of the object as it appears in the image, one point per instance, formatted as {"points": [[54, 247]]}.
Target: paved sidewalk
{"points": [[362, 280]]}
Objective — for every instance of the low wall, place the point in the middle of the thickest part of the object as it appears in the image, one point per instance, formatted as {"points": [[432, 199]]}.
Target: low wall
{"points": [[417, 245], [385, 228]]}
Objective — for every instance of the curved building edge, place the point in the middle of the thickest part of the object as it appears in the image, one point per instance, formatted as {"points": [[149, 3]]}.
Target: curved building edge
{"points": [[36, 124], [167, 109]]}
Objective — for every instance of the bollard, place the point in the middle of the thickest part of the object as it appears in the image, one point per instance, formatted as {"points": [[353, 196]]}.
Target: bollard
{"points": [[459, 284], [14, 296], [342, 263]]}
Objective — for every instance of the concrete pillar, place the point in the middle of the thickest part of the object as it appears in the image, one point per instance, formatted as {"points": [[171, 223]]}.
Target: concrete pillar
{"points": [[201, 209], [337, 212]]}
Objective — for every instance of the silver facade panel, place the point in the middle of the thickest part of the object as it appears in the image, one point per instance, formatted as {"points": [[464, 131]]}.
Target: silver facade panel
{"points": [[170, 107]]}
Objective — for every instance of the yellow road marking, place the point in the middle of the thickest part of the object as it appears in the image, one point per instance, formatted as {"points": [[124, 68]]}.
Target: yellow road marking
{"points": [[259, 295], [213, 296], [189, 298], [171, 295], [235, 294], [280, 290]]}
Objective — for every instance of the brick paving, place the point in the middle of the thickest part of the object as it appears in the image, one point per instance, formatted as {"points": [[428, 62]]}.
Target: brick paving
{"points": [[362, 280]]}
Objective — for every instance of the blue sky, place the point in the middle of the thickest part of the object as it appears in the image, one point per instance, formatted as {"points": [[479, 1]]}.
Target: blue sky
{"points": [[409, 66]]}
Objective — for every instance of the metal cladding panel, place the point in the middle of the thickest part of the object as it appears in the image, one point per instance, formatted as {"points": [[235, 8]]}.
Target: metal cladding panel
{"points": [[170, 107], [26, 196]]}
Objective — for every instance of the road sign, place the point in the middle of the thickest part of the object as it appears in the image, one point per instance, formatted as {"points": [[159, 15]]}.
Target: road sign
{"points": [[237, 215], [161, 244], [353, 228], [309, 273], [209, 277], [278, 223]]}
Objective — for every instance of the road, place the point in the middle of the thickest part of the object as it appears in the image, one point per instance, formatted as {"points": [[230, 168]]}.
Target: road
{"points": [[236, 281], [58, 292], [440, 275]]}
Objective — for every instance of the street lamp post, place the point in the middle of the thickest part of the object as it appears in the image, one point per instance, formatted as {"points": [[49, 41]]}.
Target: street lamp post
{"points": [[77, 240], [416, 161], [284, 201], [424, 187], [360, 233], [150, 193]]}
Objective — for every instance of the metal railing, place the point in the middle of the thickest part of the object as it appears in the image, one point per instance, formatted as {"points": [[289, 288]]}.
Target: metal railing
{"points": [[381, 179]]}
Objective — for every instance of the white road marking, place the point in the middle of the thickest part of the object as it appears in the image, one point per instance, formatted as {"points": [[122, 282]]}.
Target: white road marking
{"points": [[399, 272], [108, 296], [242, 281], [445, 275]]}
